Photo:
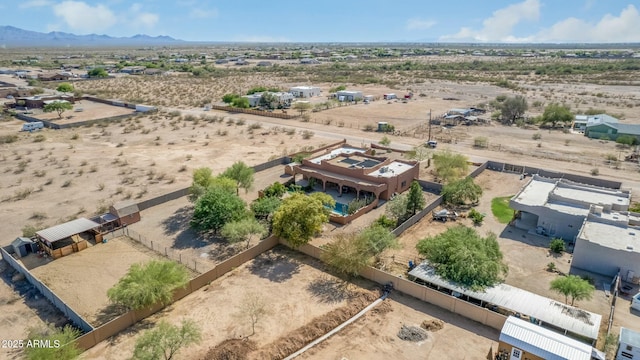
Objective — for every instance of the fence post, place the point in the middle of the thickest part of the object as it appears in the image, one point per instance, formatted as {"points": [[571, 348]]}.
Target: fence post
{"points": [[165, 252], [180, 255], [195, 265]]}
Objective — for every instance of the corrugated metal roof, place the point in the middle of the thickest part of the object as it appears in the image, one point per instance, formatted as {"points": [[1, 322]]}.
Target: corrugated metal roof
{"points": [[125, 208], [630, 337], [547, 344], [67, 229], [577, 321]]}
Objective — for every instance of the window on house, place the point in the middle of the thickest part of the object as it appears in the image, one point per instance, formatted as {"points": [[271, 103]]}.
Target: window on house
{"points": [[404, 183], [629, 348]]}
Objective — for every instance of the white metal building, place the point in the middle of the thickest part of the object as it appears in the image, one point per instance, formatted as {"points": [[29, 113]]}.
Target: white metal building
{"points": [[347, 95], [629, 345], [305, 91]]}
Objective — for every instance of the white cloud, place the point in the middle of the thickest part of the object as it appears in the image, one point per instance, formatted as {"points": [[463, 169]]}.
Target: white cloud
{"points": [[200, 13], [419, 24], [80, 16], [35, 4], [588, 4], [135, 7], [148, 20], [261, 39], [610, 28], [500, 25]]}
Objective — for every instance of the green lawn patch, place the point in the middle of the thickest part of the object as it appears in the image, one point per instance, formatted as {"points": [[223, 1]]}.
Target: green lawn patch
{"points": [[501, 210]]}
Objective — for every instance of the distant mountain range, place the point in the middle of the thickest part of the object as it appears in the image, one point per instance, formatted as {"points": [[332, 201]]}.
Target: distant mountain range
{"points": [[15, 37]]}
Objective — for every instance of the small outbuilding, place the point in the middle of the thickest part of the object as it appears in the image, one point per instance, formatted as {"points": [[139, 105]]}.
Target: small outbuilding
{"points": [[127, 212], [305, 91], [65, 239], [23, 246]]}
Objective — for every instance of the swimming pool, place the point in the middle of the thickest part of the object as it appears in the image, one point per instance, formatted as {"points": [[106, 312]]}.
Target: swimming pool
{"points": [[340, 209]]}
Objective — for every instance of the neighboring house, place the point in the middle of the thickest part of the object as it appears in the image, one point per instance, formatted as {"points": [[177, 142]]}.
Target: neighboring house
{"points": [[461, 112], [305, 91], [348, 95], [558, 207], [222, 61], [127, 212], [612, 130], [348, 168], [54, 77], [264, 63], [609, 243], [581, 122], [133, 70], [553, 315], [154, 71], [36, 102], [522, 340], [628, 345], [308, 61], [284, 99]]}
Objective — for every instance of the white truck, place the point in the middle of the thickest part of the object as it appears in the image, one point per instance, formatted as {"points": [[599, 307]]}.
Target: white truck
{"points": [[32, 126]]}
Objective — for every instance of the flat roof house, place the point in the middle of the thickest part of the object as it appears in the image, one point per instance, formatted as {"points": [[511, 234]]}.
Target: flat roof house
{"points": [[351, 167], [349, 95], [305, 91], [609, 243], [558, 207], [284, 99]]}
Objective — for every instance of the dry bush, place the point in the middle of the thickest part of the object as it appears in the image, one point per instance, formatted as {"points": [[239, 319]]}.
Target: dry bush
{"points": [[232, 349]]}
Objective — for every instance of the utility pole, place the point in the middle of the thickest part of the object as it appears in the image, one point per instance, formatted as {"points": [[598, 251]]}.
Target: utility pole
{"points": [[429, 125]]}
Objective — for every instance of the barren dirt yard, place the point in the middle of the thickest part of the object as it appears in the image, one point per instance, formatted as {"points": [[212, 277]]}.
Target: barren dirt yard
{"points": [[83, 110], [83, 278], [376, 335]]}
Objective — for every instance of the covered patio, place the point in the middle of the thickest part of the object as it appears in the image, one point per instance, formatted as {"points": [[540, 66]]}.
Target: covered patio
{"points": [[64, 239]]}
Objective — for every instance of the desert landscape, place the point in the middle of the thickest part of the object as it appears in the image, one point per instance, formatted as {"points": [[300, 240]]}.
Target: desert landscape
{"points": [[51, 176]]}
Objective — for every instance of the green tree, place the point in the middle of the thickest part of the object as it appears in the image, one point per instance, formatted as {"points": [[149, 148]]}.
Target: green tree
{"points": [[419, 153], [165, 340], [203, 179], [346, 254], [449, 166], [461, 192], [349, 253], [256, 89], [301, 216], [228, 98], [555, 114], [61, 340], [269, 100], [628, 140], [415, 198], [264, 207], [97, 72], [277, 189], [65, 88], [338, 88], [301, 106], [574, 287], [241, 174], [461, 255], [397, 208], [240, 102], [385, 141], [144, 285], [243, 230], [59, 106], [215, 208], [513, 108]]}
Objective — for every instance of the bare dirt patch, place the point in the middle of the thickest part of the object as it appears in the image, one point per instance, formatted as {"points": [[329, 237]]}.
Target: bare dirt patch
{"points": [[83, 278]]}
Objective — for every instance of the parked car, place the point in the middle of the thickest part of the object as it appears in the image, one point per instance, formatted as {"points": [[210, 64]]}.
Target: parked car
{"points": [[431, 143]]}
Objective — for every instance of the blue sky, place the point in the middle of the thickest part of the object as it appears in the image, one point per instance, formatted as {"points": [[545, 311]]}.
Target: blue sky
{"points": [[338, 21]]}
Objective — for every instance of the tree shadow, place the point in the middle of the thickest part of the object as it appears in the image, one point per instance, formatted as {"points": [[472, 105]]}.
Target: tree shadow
{"points": [[190, 239], [109, 313], [34, 299], [329, 290], [274, 266], [221, 250], [179, 221]]}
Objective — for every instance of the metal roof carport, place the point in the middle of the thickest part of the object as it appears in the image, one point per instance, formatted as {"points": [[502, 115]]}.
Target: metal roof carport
{"points": [[67, 229]]}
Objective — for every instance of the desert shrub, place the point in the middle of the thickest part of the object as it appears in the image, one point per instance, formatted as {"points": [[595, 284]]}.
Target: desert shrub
{"points": [[595, 171], [368, 127], [386, 222], [306, 134], [557, 246], [39, 138], [481, 142], [536, 136], [8, 139], [476, 217]]}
